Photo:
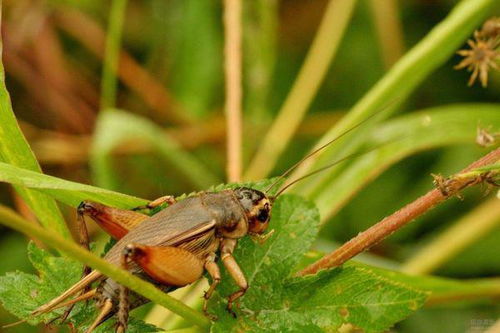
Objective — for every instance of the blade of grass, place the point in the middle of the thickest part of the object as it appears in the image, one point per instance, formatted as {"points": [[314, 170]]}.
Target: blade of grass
{"points": [[402, 79], [455, 239], [112, 54], [146, 289], [14, 149], [406, 135], [305, 87], [119, 127], [194, 45], [259, 42], [68, 192]]}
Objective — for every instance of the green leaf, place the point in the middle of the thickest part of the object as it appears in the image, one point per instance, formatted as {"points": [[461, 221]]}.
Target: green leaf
{"points": [[439, 289], [14, 149], [324, 302], [68, 192], [21, 293], [119, 127]]}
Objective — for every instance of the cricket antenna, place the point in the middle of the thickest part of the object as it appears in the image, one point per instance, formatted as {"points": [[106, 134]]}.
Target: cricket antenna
{"points": [[314, 152], [343, 159]]}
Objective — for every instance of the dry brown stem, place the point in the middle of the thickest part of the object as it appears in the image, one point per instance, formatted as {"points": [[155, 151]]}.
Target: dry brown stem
{"points": [[232, 53], [390, 224]]}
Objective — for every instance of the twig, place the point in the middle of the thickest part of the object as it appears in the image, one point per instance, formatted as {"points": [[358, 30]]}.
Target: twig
{"points": [[232, 53], [390, 224]]}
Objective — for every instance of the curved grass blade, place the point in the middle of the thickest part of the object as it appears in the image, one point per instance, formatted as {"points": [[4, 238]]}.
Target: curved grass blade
{"points": [[14, 149], [68, 192]]}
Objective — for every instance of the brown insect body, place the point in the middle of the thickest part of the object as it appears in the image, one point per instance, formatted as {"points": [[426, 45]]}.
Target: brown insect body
{"points": [[171, 248], [196, 224]]}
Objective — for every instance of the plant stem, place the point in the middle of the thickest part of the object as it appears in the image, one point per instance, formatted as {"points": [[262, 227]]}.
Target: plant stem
{"points": [[15, 150], [10, 219], [390, 224], [112, 54], [466, 231], [305, 87], [232, 53]]}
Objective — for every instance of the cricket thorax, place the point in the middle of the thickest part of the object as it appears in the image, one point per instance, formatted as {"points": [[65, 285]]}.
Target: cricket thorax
{"points": [[227, 211]]}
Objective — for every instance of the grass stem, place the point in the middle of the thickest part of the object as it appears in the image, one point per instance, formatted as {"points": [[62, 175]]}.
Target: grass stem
{"points": [[112, 54], [232, 58]]}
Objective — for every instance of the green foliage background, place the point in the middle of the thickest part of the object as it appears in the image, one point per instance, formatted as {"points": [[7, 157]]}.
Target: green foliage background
{"points": [[160, 130]]}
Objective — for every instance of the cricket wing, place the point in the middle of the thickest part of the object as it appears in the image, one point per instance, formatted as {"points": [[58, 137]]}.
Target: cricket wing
{"points": [[184, 221]]}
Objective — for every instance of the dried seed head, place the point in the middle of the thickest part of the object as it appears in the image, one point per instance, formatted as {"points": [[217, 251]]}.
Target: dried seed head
{"points": [[484, 53]]}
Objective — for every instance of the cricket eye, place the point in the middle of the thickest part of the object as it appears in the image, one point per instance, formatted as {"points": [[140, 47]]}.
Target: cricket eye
{"points": [[263, 215]]}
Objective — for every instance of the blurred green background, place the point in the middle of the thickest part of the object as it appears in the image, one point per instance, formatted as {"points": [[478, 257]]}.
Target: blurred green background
{"points": [[171, 72]]}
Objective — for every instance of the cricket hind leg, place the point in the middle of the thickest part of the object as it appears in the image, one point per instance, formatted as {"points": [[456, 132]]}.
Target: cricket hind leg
{"points": [[83, 239], [167, 265], [56, 302], [115, 221], [106, 308]]}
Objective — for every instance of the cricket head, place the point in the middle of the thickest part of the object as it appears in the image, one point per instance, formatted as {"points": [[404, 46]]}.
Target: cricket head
{"points": [[257, 206]]}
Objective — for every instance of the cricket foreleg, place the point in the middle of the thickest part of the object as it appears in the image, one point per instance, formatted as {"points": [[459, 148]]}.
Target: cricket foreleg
{"points": [[227, 248], [214, 272], [169, 199], [116, 222]]}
